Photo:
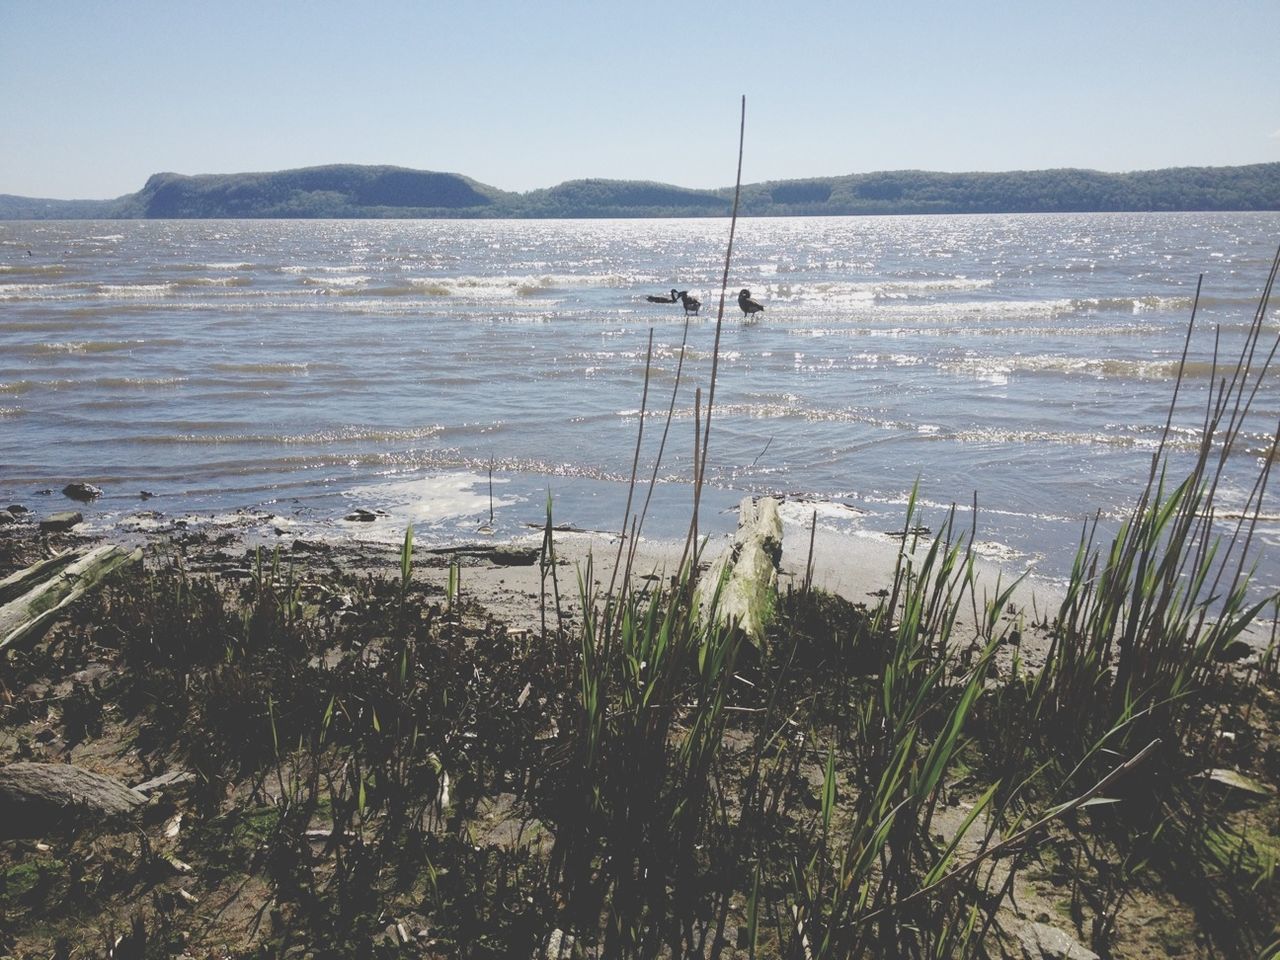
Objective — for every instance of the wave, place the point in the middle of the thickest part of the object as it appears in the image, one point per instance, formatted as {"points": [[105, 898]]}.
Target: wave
{"points": [[868, 291], [70, 290], [44, 291], [32, 269], [335, 435], [485, 288], [1100, 368], [214, 265], [97, 346], [956, 331], [1131, 304], [338, 282], [900, 289], [901, 297], [281, 367], [300, 269], [134, 289], [784, 409], [9, 412], [198, 282], [24, 386], [136, 383]]}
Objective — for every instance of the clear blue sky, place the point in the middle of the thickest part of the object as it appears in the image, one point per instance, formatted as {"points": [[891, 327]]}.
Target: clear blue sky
{"points": [[95, 96]]}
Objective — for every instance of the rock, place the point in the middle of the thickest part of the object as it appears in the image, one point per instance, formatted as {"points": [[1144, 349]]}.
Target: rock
{"points": [[1234, 652], [40, 798], [1043, 942], [58, 522], [749, 568], [361, 515], [46, 492], [6, 517], [145, 494], [84, 492], [17, 509]]}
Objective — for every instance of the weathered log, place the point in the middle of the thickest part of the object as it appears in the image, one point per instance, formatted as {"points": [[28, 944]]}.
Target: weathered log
{"points": [[747, 572], [41, 798], [18, 583], [29, 615]]}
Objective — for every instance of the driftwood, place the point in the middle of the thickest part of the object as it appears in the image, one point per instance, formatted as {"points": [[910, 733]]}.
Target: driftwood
{"points": [[50, 587], [747, 572], [16, 584], [499, 554], [41, 798], [174, 778]]}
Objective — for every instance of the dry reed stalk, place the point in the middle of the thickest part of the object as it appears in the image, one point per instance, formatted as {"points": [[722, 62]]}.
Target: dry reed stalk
{"points": [[700, 466]]}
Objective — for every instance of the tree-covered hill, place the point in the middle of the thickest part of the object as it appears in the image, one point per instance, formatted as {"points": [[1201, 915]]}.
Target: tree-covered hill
{"points": [[1254, 187], [333, 191], [347, 190], [623, 198]]}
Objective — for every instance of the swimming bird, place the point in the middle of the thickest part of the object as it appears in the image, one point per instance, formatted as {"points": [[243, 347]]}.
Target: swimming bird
{"points": [[691, 304], [670, 299], [747, 305]]}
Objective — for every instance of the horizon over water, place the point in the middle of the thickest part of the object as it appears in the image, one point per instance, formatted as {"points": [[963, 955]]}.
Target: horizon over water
{"points": [[310, 367]]}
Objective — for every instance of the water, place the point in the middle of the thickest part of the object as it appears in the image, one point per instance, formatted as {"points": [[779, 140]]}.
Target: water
{"points": [[311, 366]]}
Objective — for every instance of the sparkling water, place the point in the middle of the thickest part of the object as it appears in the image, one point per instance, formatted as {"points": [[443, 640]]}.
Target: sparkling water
{"points": [[311, 366]]}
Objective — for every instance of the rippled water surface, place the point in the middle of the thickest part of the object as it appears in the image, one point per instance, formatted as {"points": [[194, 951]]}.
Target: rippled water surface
{"points": [[222, 364]]}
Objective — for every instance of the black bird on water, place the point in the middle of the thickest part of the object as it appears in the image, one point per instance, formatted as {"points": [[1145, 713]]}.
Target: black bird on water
{"points": [[747, 305], [691, 304], [670, 299]]}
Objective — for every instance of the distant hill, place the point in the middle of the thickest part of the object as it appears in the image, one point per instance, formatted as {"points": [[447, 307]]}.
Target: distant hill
{"points": [[36, 208], [346, 190]]}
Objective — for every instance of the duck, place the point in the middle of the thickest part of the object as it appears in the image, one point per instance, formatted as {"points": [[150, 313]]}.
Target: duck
{"points": [[747, 305], [691, 304], [659, 299]]}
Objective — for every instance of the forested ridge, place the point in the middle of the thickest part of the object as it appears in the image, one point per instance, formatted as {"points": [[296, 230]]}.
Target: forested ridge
{"points": [[347, 190]]}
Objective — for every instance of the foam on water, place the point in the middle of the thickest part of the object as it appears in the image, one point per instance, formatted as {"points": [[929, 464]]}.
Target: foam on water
{"points": [[431, 501]]}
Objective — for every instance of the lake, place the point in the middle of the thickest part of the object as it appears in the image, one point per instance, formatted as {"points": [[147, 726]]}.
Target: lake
{"points": [[308, 367]]}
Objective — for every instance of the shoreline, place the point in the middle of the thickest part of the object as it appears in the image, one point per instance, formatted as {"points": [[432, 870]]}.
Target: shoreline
{"points": [[500, 574]]}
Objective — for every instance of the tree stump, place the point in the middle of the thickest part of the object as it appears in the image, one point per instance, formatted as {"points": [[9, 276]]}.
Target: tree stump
{"points": [[749, 571]]}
